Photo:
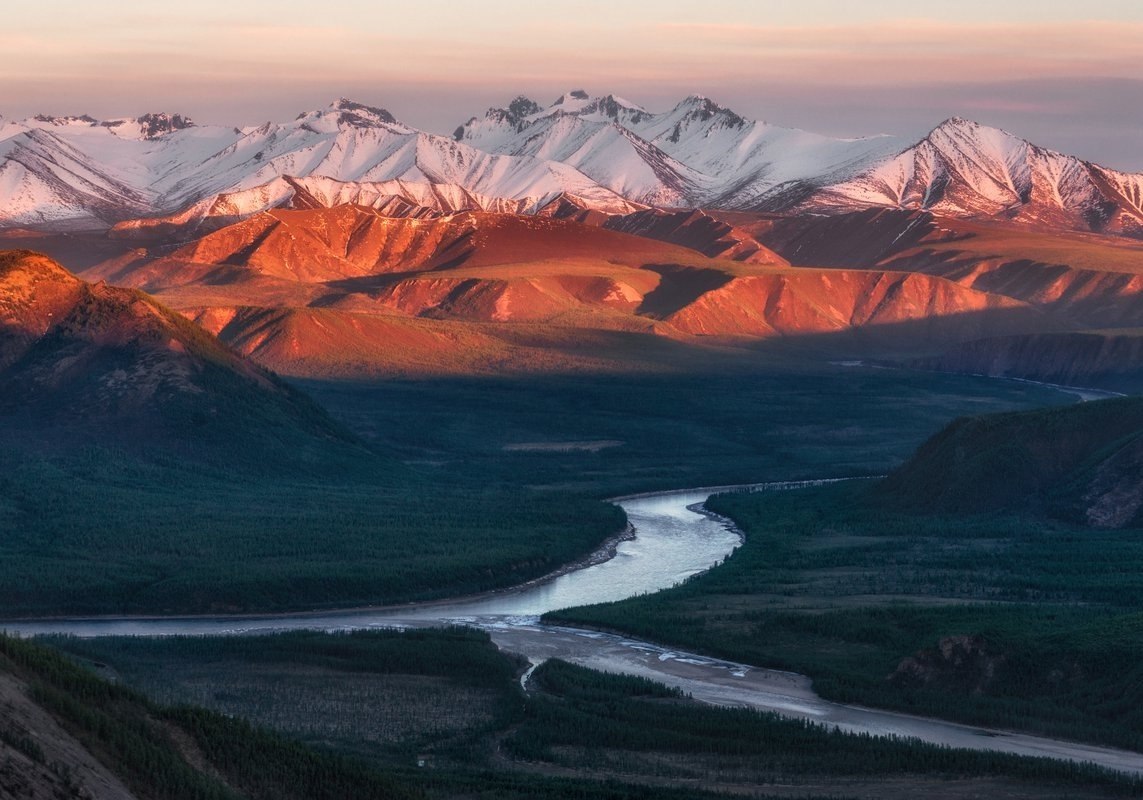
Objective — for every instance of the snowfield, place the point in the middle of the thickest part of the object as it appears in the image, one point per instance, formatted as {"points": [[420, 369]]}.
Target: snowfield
{"points": [[601, 153]]}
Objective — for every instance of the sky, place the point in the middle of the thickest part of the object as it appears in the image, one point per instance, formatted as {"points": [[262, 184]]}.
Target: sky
{"points": [[1065, 75]]}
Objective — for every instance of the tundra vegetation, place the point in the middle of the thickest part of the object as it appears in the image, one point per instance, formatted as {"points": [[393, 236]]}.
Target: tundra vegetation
{"points": [[1017, 617], [423, 499], [371, 727]]}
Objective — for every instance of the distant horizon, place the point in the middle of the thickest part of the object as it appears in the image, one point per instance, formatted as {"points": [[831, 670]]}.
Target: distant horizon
{"points": [[1064, 77]]}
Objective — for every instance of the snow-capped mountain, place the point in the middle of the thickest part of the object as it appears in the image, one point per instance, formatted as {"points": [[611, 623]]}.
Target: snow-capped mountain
{"points": [[81, 171], [581, 152], [696, 154], [580, 132], [964, 169], [148, 126]]}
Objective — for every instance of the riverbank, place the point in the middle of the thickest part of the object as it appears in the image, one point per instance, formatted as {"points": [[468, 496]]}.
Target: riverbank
{"points": [[513, 623]]}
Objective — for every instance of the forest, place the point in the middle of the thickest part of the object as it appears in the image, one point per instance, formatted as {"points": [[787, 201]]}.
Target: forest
{"points": [[1002, 619]]}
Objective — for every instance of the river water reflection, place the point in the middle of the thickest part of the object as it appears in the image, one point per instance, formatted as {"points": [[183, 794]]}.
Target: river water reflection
{"points": [[672, 542]]}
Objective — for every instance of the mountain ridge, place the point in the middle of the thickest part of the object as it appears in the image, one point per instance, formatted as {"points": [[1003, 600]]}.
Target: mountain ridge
{"points": [[91, 362], [965, 169], [320, 292], [600, 153]]}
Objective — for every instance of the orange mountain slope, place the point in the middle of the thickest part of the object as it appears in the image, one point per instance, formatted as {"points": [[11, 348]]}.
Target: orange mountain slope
{"points": [[95, 358], [336, 291], [1092, 280]]}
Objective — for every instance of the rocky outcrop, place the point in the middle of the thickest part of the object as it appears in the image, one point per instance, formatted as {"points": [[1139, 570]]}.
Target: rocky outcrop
{"points": [[963, 663]]}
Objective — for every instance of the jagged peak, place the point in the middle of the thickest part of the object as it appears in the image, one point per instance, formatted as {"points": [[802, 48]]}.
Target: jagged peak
{"points": [[80, 119], [612, 106], [148, 126], [522, 106], [516, 111], [703, 108], [515, 115], [359, 115], [154, 124]]}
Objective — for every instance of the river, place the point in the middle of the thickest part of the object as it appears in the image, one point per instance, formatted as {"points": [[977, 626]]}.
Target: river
{"points": [[674, 539]]}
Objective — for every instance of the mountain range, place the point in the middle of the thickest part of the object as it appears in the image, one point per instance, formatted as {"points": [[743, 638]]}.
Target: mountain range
{"points": [[582, 152], [350, 291]]}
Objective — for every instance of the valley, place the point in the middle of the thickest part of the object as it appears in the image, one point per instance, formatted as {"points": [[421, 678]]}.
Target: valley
{"points": [[282, 405], [671, 544]]}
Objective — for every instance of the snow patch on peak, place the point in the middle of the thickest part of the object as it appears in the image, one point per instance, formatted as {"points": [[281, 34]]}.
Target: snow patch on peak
{"points": [[966, 169], [959, 126], [570, 102]]}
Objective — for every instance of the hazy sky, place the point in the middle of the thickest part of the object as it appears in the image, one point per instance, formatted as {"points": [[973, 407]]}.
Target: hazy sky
{"points": [[1067, 75]]}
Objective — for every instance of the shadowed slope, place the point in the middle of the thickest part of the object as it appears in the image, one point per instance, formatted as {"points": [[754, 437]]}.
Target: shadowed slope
{"points": [[115, 362], [698, 231], [1081, 462], [1105, 358]]}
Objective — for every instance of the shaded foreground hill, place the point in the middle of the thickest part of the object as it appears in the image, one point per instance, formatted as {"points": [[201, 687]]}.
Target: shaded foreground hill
{"points": [[1111, 359], [1082, 463], [84, 363], [146, 467]]}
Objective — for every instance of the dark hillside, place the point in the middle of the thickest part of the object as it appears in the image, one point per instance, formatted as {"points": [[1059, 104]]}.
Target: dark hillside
{"points": [[1082, 463], [88, 363]]}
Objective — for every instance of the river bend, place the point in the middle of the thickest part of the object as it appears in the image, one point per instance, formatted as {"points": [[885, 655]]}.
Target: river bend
{"points": [[674, 539]]}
